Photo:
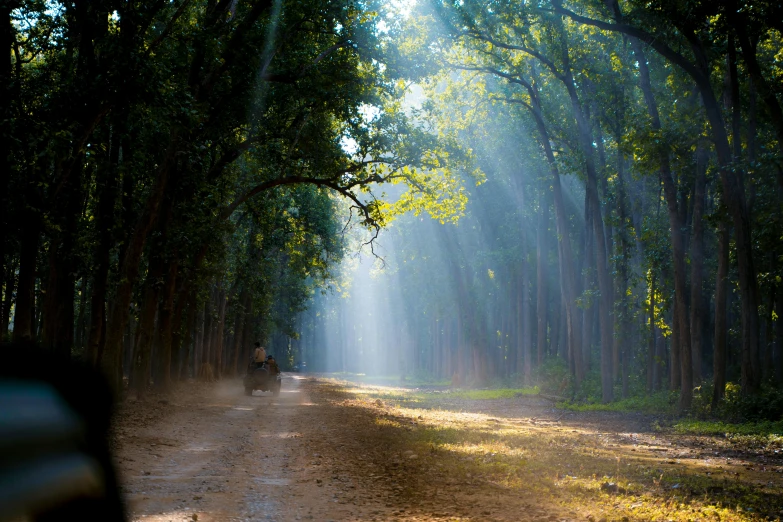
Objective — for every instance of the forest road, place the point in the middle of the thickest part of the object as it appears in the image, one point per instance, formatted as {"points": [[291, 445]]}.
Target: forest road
{"points": [[212, 454], [333, 450], [321, 450]]}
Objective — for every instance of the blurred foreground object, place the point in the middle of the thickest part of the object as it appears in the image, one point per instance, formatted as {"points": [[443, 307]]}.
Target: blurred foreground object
{"points": [[54, 456]]}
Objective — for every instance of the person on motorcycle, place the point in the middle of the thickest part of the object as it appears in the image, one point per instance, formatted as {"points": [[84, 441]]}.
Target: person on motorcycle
{"points": [[259, 356], [274, 369]]}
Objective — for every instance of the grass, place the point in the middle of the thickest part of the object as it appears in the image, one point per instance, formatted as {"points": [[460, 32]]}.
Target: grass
{"points": [[492, 394], [768, 434], [654, 404], [390, 380], [566, 466]]}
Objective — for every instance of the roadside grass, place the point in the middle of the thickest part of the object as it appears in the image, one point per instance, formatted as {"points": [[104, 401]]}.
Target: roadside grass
{"points": [[587, 473], [389, 380], [765, 435], [718, 428], [492, 394], [660, 403]]}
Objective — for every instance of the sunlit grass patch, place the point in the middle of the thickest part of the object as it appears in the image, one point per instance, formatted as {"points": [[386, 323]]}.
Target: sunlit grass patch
{"points": [[394, 394], [500, 393], [388, 380], [660, 403], [581, 469], [701, 427]]}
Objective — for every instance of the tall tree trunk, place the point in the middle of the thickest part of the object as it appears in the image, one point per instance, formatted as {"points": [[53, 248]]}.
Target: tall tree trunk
{"points": [[565, 254], [199, 335], [623, 342], [81, 320], [527, 331], [146, 325], [700, 70], [111, 358], [8, 297], [541, 286], [778, 346], [608, 233], [58, 302], [219, 333], [675, 369], [179, 339], [239, 341], [189, 342], [681, 321], [588, 287], [247, 331], [602, 264], [721, 325], [651, 347], [24, 311], [163, 332], [6, 131], [107, 195], [697, 263], [767, 353], [732, 181], [205, 362]]}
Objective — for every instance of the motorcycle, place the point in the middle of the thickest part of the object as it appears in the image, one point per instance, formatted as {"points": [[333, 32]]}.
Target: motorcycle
{"points": [[260, 378]]}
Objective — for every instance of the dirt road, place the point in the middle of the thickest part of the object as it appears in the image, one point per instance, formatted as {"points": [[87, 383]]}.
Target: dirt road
{"points": [[335, 451], [214, 454]]}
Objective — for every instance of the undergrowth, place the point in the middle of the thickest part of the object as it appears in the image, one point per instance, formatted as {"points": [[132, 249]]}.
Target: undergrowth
{"points": [[497, 393], [585, 471], [659, 403]]}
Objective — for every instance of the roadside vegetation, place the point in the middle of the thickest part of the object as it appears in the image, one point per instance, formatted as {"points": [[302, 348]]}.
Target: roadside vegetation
{"points": [[582, 463]]}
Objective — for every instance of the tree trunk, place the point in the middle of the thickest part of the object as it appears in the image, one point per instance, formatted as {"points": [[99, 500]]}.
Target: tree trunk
{"points": [[163, 332], [734, 196], [778, 346], [24, 311], [8, 297], [588, 287], [199, 334], [81, 320], [205, 361], [700, 70], [675, 369], [602, 266], [189, 342], [684, 373], [541, 286], [564, 250], [527, 331], [721, 325], [146, 326], [240, 305], [651, 362], [107, 182], [247, 331], [219, 333], [58, 302], [697, 264], [111, 358]]}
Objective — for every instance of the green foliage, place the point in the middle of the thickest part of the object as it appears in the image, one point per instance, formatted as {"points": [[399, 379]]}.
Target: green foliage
{"points": [[554, 377], [772, 431], [658, 403], [737, 407], [493, 394]]}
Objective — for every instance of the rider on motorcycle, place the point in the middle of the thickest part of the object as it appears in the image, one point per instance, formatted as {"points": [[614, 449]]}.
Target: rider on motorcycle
{"points": [[259, 355], [274, 369]]}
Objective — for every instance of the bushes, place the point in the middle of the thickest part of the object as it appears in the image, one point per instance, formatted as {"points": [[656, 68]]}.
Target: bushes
{"points": [[736, 407], [554, 377]]}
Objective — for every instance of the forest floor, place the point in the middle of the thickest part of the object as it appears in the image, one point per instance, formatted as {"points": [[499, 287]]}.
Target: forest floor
{"points": [[334, 450]]}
